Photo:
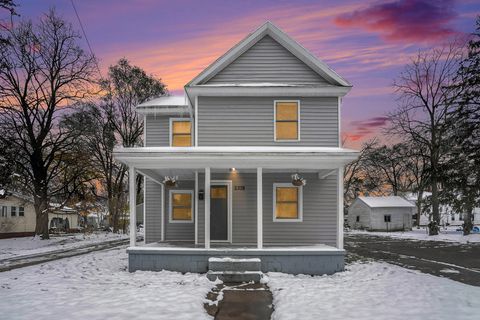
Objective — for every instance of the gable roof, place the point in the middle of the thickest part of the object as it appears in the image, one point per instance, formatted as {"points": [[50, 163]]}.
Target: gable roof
{"points": [[386, 202], [283, 39]]}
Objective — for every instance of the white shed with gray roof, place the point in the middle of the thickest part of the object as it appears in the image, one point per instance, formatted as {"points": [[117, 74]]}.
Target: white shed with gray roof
{"points": [[392, 213]]}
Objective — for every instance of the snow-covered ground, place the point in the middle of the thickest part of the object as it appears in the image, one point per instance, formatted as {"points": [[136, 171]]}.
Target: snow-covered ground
{"points": [[31, 245], [372, 291], [97, 286], [449, 234]]}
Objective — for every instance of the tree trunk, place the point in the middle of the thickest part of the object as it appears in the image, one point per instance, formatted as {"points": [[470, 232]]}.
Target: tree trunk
{"points": [[435, 223], [41, 212], [467, 220], [419, 208]]}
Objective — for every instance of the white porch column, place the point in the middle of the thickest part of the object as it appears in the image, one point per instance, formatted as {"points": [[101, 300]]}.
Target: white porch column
{"points": [[195, 198], [162, 212], [133, 215], [259, 208], [340, 210], [207, 208]]}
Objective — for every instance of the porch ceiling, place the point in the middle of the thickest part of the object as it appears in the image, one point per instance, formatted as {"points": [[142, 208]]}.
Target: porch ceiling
{"points": [[198, 158]]}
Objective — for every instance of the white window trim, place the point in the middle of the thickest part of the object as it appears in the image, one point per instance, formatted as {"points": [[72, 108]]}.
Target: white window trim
{"points": [[4, 211], [300, 202], [170, 207], [170, 130], [275, 121]]}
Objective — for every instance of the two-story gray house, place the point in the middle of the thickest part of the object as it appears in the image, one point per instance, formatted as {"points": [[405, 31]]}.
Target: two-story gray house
{"points": [[247, 164]]}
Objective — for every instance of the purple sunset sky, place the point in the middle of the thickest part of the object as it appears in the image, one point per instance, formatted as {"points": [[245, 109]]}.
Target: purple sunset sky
{"points": [[367, 42]]}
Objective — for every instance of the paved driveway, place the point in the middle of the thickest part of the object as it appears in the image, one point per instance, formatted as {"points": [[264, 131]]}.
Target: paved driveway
{"points": [[459, 262]]}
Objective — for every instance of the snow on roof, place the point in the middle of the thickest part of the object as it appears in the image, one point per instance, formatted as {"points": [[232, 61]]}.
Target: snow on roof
{"points": [[384, 202], [165, 101]]}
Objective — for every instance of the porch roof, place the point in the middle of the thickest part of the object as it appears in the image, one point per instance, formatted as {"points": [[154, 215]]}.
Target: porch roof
{"points": [[235, 157]]}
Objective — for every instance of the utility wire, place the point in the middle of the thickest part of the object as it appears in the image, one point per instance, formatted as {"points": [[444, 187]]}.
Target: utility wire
{"points": [[86, 38]]}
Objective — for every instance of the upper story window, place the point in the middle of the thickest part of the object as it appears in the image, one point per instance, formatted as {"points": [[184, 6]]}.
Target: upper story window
{"points": [[13, 211], [287, 120], [4, 211], [180, 132], [21, 211]]}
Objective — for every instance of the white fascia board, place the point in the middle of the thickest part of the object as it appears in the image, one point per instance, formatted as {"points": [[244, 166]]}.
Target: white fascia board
{"points": [[154, 159], [163, 110], [267, 91]]}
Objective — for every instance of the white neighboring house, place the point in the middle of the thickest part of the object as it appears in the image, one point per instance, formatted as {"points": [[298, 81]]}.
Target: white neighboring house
{"points": [[18, 219], [448, 216], [381, 214]]}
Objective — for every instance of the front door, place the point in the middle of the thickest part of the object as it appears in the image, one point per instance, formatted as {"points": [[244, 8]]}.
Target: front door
{"points": [[219, 213]]}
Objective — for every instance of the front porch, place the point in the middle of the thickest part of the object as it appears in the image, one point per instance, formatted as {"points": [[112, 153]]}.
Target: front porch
{"points": [[188, 257], [235, 205]]}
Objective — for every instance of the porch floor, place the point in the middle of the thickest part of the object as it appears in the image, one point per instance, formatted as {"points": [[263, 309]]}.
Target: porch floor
{"points": [[190, 245]]}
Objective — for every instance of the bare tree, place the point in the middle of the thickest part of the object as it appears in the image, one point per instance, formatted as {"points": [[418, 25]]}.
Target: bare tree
{"points": [[426, 94], [43, 70], [112, 122]]}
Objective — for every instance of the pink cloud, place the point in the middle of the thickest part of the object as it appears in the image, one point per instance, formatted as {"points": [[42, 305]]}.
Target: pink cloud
{"points": [[404, 20]]}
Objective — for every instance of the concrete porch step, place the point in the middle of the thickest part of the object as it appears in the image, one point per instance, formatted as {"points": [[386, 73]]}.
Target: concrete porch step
{"points": [[234, 264], [235, 276]]}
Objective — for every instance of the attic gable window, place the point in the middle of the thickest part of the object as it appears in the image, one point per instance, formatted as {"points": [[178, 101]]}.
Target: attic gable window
{"points": [[180, 132], [287, 120]]}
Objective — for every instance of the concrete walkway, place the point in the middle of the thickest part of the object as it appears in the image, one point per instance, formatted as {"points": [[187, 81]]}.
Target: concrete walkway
{"points": [[459, 262], [247, 301]]}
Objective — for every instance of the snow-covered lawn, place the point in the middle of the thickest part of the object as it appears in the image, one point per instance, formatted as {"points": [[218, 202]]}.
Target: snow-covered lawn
{"points": [[97, 286], [372, 291], [448, 234], [31, 245]]}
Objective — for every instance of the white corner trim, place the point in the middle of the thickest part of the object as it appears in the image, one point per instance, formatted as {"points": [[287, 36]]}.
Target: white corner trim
{"points": [[170, 129], [340, 210], [275, 121], [170, 206], [162, 212], [196, 121], [195, 199], [144, 130], [145, 209], [300, 202], [339, 122]]}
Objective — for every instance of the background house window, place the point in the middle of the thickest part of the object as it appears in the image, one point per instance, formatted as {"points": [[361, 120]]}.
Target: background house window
{"points": [[13, 211], [181, 205], [4, 211], [287, 202], [387, 218], [358, 218], [180, 133], [287, 120], [21, 211]]}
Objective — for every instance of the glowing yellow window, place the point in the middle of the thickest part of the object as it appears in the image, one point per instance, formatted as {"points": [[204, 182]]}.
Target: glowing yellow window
{"points": [[287, 202], [286, 120], [181, 206], [181, 131]]}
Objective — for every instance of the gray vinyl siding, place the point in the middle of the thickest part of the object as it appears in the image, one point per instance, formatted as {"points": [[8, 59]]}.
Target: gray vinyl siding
{"points": [[157, 131], [153, 204], [267, 61], [249, 121], [178, 231], [320, 207]]}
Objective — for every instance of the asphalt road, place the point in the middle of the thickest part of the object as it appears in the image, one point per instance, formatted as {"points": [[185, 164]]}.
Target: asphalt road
{"points": [[459, 262]]}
